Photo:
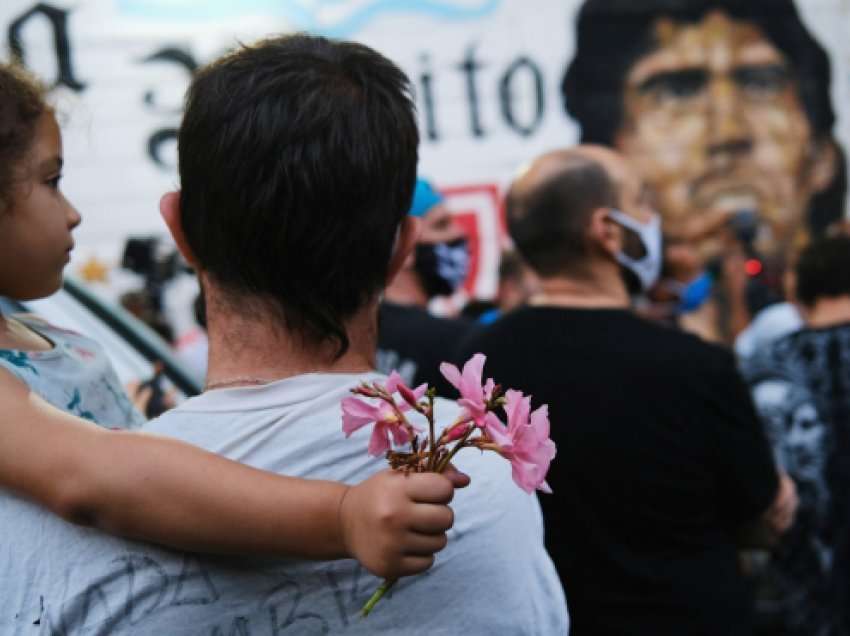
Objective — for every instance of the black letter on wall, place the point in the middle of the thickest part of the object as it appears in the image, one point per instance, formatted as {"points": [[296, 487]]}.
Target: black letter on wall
{"points": [[59, 23], [469, 66], [426, 82], [168, 134], [174, 56], [507, 97]]}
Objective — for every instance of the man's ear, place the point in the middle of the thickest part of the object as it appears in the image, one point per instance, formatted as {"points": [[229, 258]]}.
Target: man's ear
{"points": [[603, 233], [169, 208], [823, 164], [408, 233]]}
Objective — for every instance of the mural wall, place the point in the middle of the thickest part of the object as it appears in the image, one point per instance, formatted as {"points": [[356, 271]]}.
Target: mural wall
{"points": [[722, 104]]}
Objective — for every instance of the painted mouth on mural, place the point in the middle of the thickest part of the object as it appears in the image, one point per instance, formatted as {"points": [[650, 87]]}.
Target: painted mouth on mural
{"points": [[726, 196]]}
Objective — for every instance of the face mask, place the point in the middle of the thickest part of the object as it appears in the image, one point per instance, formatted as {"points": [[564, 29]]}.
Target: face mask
{"points": [[691, 295], [648, 268], [696, 293], [442, 267]]}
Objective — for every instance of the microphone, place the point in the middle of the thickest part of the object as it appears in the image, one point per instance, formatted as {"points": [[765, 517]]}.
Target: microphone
{"points": [[763, 288], [745, 225]]}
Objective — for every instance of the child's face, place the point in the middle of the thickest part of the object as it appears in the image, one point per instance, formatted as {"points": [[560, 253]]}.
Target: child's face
{"points": [[36, 227]]}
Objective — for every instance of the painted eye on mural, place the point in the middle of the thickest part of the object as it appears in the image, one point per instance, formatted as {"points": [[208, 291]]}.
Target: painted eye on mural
{"points": [[674, 85], [762, 80]]}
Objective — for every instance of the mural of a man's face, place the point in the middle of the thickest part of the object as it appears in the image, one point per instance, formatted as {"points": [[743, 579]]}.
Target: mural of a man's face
{"points": [[713, 120]]}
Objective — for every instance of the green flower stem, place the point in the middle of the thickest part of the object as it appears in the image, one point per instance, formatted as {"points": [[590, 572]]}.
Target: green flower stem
{"points": [[377, 596], [432, 441], [448, 458]]}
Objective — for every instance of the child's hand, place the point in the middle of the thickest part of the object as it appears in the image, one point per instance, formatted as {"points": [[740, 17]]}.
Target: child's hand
{"points": [[394, 523]]}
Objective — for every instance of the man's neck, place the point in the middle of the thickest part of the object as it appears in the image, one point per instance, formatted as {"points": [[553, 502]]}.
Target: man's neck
{"points": [[254, 347], [600, 291], [828, 312], [406, 289]]}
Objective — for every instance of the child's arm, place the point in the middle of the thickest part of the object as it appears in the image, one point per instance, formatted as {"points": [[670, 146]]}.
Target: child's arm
{"points": [[165, 491]]}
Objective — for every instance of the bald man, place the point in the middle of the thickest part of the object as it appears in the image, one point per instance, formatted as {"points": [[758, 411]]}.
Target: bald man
{"points": [[661, 457]]}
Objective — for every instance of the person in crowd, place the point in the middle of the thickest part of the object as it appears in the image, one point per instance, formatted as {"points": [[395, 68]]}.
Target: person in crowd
{"points": [[140, 485], [709, 296], [661, 458], [723, 108], [292, 256], [771, 323], [801, 388], [411, 340]]}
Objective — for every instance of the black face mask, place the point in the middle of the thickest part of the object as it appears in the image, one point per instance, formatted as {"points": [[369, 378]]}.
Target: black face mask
{"points": [[442, 267]]}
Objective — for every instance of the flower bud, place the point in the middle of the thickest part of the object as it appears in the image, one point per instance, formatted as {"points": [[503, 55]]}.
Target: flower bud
{"points": [[365, 390], [407, 395], [456, 432]]}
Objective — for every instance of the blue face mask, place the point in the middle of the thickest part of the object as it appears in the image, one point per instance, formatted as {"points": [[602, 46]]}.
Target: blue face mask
{"points": [[693, 295]]}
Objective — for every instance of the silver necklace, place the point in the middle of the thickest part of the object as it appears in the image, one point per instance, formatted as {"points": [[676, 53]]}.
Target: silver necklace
{"points": [[244, 381]]}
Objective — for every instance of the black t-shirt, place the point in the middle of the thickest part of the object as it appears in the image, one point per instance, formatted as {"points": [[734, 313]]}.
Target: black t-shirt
{"points": [[660, 460], [414, 343]]}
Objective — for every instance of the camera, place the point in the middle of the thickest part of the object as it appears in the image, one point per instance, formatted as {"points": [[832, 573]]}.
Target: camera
{"points": [[151, 258]]}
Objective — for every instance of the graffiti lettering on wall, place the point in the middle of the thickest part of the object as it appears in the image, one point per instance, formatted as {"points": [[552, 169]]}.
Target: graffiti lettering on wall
{"points": [[506, 91], [522, 71], [57, 20]]}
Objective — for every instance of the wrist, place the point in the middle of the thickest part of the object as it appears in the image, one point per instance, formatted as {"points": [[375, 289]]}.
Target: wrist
{"points": [[342, 539]]}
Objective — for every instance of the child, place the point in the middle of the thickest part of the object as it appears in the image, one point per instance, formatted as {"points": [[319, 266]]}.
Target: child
{"points": [[139, 485]]}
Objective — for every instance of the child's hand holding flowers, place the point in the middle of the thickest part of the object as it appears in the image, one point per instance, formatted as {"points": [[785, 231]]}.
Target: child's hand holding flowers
{"points": [[523, 439]]}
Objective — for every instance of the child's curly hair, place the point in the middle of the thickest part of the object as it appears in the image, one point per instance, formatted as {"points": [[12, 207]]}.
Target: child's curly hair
{"points": [[22, 102]]}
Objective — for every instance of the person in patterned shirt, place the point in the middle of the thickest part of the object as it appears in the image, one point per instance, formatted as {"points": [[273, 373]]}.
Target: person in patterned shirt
{"points": [[801, 388]]}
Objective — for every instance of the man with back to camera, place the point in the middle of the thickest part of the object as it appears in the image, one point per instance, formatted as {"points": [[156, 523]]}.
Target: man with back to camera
{"points": [[411, 340], [661, 457], [297, 160]]}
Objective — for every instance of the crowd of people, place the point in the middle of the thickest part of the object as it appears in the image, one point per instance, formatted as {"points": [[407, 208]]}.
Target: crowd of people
{"points": [[697, 377]]}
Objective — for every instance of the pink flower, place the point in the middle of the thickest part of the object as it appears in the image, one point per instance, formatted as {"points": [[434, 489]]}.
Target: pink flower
{"points": [[357, 413], [473, 397], [524, 441]]}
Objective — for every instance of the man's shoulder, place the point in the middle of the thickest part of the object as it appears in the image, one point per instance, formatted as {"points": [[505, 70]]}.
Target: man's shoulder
{"points": [[514, 326], [591, 328], [306, 408], [806, 352], [836, 336]]}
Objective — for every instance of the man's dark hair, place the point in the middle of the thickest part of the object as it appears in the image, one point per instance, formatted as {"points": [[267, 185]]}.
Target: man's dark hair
{"points": [[548, 224], [611, 35], [297, 162], [823, 270]]}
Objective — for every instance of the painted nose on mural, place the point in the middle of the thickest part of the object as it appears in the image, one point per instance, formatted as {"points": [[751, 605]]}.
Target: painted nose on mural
{"points": [[728, 135]]}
